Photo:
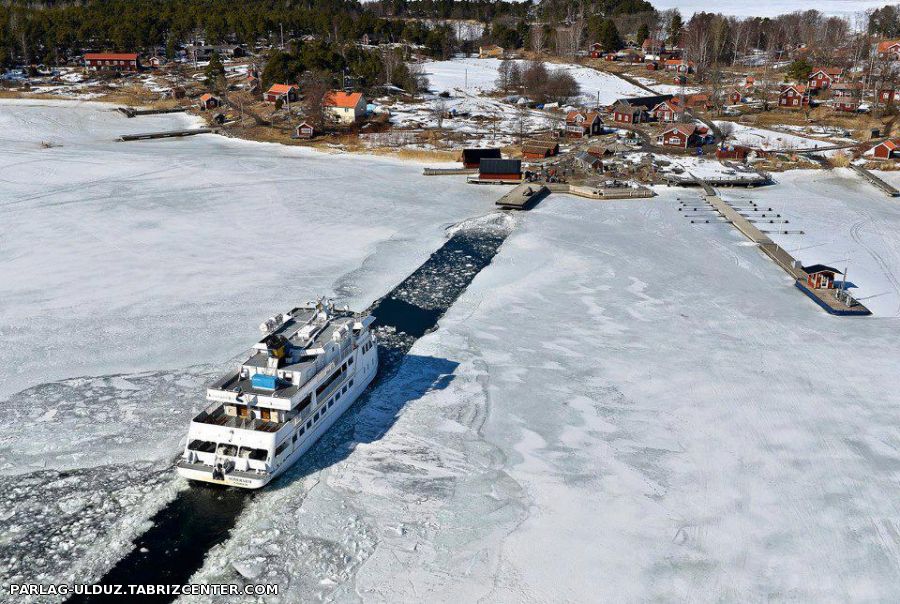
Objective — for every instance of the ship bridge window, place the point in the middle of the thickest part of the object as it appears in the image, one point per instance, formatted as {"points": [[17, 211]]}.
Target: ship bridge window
{"points": [[204, 446], [255, 454], [227, 450]]}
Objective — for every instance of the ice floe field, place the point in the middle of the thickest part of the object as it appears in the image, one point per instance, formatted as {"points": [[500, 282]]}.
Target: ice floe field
{"points": [[621, 407]]}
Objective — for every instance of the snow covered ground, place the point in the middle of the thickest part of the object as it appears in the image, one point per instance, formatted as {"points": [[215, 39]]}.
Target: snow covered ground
{"points": [[469, 83], [772, 140], [622, 407], [134, 272], [480, 75]]}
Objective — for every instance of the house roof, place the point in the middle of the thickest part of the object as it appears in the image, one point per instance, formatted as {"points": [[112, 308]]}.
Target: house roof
{"points": [[538, 148], [206, 97], [891, 145], [283, 88], [887, 45], [572, 116], [113, 56], [820, 268], [831, 71], [339, 98], [798, 88], [479, 154], [685, 129]]}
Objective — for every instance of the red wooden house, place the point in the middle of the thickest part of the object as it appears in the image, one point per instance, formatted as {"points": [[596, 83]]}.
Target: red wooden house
{"points": [[626, 113], [540, 149], [887, 150], [819, 276], [596, 50], [888, 49], [111, 61], [667, 111], [286, 92], [304, 130], [580, 124], [679, 65], [793, 96], [846, 95], [680, 135], [734, 96], [208, 101], [887, 96], [823, 78]]}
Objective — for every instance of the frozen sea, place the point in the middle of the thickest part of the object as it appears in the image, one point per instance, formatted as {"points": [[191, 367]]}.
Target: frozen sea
{"points": [[621, 407]]}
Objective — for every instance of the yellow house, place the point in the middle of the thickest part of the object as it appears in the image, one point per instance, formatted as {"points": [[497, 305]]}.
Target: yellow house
{"points": [[491, 51]]}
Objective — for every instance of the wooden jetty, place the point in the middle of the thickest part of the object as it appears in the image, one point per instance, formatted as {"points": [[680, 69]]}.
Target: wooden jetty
{"points": [[132, 112], [760, 179], [449, 171], [826, 298], [877, 182], [167, 134]]}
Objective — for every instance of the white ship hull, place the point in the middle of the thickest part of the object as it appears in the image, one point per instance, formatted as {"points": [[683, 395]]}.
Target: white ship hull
{"points": [[255, 429], [253, 480]]}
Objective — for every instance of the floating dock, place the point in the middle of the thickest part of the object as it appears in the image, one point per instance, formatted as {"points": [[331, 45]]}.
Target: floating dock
{"points": [[524, 196], [826, 298], [168, 134], [527, 194]]}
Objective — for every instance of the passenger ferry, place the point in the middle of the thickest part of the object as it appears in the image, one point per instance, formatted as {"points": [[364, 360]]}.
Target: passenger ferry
{"points": [[313, 362]]}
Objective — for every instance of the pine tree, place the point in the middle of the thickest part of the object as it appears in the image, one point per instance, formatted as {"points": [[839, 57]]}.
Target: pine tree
{"points": [[643, 33], [675, 28]]}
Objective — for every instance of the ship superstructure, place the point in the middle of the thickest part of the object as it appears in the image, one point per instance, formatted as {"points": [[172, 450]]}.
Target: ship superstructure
{"points": [[313, 362]]}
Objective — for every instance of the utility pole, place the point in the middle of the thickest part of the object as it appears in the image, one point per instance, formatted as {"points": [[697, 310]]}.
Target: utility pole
{"points": [[281, 26]]}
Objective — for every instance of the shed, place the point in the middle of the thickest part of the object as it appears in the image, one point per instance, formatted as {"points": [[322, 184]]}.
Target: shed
{"points": [[471, 158], [820, 276], [887, 149], [540, 149], [500, 169], [588, 161], [208, 101], [304, 130]]}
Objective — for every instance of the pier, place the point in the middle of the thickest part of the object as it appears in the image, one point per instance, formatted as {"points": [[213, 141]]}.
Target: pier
{"points": [[132, 112], [449, 171], [167, 134], [875, 181], [826, 298]]}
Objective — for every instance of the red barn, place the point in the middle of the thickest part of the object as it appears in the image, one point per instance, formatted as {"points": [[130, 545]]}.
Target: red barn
{"points": [[794, 96], [111, 61], [679, 135], [887, 150], [822, 78]]}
